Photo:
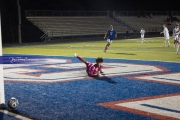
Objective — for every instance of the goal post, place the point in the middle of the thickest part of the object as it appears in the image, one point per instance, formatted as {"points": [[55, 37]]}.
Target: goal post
{"points": [[2, 94]]}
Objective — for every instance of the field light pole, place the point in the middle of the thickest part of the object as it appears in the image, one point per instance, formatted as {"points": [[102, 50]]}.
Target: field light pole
{"points": [[19, 21]]}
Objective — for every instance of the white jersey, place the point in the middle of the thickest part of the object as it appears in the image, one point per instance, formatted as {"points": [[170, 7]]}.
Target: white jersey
{"points": [[142, 32], [166, 32], [175, 31]]}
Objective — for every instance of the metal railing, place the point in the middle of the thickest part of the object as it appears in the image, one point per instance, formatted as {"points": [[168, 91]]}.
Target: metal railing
{"points": [[95, 13], [175, 13], [36, 20], [65, 13], [48, 34], [142, 13], [119, 17]]}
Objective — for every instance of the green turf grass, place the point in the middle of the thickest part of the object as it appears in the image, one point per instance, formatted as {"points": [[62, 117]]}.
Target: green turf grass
{"points": [[152, 49]]}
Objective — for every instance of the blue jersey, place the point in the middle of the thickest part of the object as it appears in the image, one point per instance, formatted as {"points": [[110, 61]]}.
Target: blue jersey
{"points": [[111, 34]]}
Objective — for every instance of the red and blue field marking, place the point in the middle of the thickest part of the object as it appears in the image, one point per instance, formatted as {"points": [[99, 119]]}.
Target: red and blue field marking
{"points": [[130, 89]]}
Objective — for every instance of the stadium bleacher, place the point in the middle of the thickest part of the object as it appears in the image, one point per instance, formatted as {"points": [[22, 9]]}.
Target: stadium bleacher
{"points": [[61, 26], [138, 22], [66, 26]]}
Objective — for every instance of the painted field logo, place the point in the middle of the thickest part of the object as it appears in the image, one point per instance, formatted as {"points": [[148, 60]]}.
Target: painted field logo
{"points": [[60, 70]]}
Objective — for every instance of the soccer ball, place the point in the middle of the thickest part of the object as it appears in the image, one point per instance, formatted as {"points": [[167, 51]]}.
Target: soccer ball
{"points": [[13, 103]]}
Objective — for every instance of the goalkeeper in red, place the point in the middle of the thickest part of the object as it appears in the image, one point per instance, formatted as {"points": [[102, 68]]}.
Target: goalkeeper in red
{"points": [[93, 70], [110, 35]]}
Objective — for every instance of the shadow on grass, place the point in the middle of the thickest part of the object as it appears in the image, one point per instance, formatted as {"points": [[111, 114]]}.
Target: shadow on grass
{"points": [[106, 79], [125, 53]]}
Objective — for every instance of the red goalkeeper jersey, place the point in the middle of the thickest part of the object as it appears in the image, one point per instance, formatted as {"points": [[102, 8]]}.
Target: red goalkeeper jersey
{"points": [[92, 69]]}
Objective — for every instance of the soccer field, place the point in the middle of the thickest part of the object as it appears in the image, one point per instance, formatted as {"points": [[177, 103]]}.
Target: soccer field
{"points": [[152, 49], [140, 81]]}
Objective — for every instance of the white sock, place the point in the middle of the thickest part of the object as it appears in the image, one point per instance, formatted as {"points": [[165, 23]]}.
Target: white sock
{"points": [[177, 49], [164, 43], [168, 43]]}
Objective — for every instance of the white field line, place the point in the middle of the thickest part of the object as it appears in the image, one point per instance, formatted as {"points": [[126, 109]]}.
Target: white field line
{"points": [[14, 115]]}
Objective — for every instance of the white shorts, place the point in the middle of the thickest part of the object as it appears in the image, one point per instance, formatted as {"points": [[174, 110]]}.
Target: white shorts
{"points": [[142, 36], [176, 37], [110, 41], [166, 37], [178, 40]]}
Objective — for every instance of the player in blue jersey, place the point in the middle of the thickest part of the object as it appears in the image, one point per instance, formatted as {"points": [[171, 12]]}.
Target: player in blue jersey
{"points": [[110, 35]]}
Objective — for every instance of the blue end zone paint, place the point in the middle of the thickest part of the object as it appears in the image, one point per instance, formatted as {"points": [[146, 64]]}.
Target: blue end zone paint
{"points": [[79, 99], [161, 108]]}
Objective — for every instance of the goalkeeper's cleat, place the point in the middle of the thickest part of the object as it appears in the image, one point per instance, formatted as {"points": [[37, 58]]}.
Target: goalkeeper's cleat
{"points": [[75, 55], [104, 50]]}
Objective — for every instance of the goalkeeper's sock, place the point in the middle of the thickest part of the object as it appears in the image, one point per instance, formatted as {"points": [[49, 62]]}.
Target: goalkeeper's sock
{"points": [[81, 59], [75, 55]]}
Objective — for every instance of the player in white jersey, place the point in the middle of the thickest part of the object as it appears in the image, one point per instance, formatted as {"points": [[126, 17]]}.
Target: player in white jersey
{"points": [[176, 33], [142, 34], [177, 38], [177, 44], [166, 35]]}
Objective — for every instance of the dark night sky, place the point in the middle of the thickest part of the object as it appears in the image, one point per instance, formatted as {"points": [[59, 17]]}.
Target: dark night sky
{"points": [[100, 5], [96, 5]]}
